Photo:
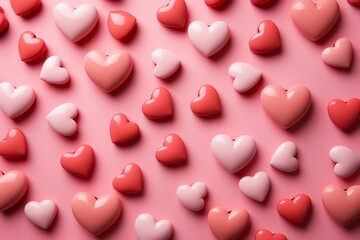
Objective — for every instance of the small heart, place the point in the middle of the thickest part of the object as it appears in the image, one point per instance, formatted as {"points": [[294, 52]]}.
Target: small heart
{"points": [[214, 3], [52, 71], [31, 47], [264, 234], [61, 119], [13, 186], [173, 150], [80, 162], [130, 181], [256, 187], [159, 106], [295, 210], [4, 23], [267, 40], [260, 2], [345, 115], [208, 103], [14, 145], [166, 63], [284, 159], [23, 8], [42, 214], [340, 55], [147, 228], [355, 3], [245, 76], [173, 15], [120, 24], [192, 197], [122, 130], [347, 161]]}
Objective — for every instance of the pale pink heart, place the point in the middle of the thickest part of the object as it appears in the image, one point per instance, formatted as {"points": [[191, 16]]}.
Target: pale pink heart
{"points": [[75, 23], [347, 161], [209, 39], [340, 55], [15, 101], [284, 159], [233, 155], [53, 72], [255, 187], [147, 228], [61, 119], [42, 214], [192, 197], [167, 63], [245, 76]]}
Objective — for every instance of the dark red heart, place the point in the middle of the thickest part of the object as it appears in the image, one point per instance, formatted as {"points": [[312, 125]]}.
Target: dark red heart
{"points": [[260, 2], [295, 210], [130, 181], [79, 163], [267, 40], [264, 234], [214, 3], [207, 103], [4, 23], [173, 150], [173, 15], [14, 145], [345, 115], [123, 131]]}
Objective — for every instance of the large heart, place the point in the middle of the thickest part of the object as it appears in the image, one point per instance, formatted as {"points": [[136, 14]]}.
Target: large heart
{"points": [[173, 150], [147, 228], [245, 76], [284, 158], [345, 115], [173, 15], [159, 106], [80, 162], [122, 130], [14, 145], [208, 103], [4, 23], [295, 210], [23, 8], [61, 119], [13, 186], [256, 187], [167, 63], [267, 40], [53, 72], [120, 24], [192, 197], [42, 214], [130, 181], [31, 47], [264, 234], [340, 55]]}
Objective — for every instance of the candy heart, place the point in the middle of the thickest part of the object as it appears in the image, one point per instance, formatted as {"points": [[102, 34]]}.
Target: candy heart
{"points": [[61, 119], [147, 228], [108, 71], [13, 186], [173, 150], [342, 205], [75, 23], [228, 225], [122, 130], [354, 2], [345, 115], [256, 187], [23, 8], [14, 144], [120, 24], [14, 101], [346, 160], [214, 3], [96, 214], [340, 55], [42, 214], [245, 76], [209, 39], [53, 72], [264, 234], [233, 155], [166, 63], [267, 40], [4, 23], [31, 47], [260, 2], [314, 20], [286, 107], [80, 162], [207, 104], [130, 181], [284, 159], [295, 210], [159, 106], [192, 197], [173, 15]]}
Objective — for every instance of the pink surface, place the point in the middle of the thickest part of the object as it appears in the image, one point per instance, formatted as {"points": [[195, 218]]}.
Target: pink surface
{"points": [[298, 63]]}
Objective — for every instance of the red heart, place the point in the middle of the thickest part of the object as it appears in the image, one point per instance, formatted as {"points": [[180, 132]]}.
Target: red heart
{"points": [[123, 131], [207, 103], [173, 150], [267, 40], [120, 24], [14, 144], [295, 210], [173, 15], [159, 106], [4, 23], [260, 2], [214, 3], [23, 8], [345, 115], [264, 234], [130, 181], [31, 47], [79, 163], [354, 2]]}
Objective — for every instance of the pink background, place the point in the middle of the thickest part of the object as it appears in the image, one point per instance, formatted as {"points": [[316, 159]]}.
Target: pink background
{"points": [[298, 63]]}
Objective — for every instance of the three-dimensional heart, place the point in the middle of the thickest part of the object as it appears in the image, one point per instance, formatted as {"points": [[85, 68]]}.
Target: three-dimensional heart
{"points": [[120, 24], [173, 15], [267, 40], [354, 2], [264, 234], [214, 3], [159, 106], [31, 47], [284, 158], [340, 55], [13, 186], [245, 76], [130, 181], [4, 23], [42, 214], [173, 150], [53, 72], [167, 63], [295, 210], [345, 115], [61, 119], [208, 103], [147, 228], [260, 2], [80, 162], [122, 130], [256, 187], [14, 145], [347, 161], [23, 8], [192, 197]]}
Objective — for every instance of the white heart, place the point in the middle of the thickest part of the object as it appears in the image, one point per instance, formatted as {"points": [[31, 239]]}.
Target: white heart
{"points": [[245, 76], [166, 62], [192, 197], [41, 214], [61, 119], [53, 72], [284, 159], [256, 187], [347, 161], [147, 229]]}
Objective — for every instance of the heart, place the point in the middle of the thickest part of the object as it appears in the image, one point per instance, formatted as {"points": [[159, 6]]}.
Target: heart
{"points": [[14, 144], [147, 228], [267, 40], [208, 103], [13, 186], [108, 71], [214, 3], [159, 106], [173, 15], [173, 150], [42, 214], [256, 187], [80, 162], [23, 8], [354, 2], [15, 101], [209, 39], [75, 23], [315, 20], [120, 24], [342, 205], [345, 115], [284, 159], [264, 234], [53, 72], [31, 47], [192, 197], [122, 130], [228, 225], [346, 160], [4, 23], [286, 107], [260, 2], [166, 63], [61, 119], [94, 214], [295, 210], [340, 55], [245, 76], [233, 155], [130, 181]]}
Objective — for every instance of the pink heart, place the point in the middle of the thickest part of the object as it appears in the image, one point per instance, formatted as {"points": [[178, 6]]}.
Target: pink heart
{"points": [[13, 186], [245, 76], [192, 197], [52, 71], [166, 62], [41, 213], [346, 160], [147, 228], [256, 187], [340, 55], [61, 119], [284, 158]]}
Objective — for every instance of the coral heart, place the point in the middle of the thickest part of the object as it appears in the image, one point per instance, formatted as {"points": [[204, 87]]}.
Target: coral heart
{"points": [[94, 214], [130, 181], [23, 8], [120, 24], [354, 2], [14, 144], [284, 158], [228, 225], [260, 2], [295, 210], [345, 115], [173, 15], [233, 155], [13, 186], [122, 130], [61, 119], [80, 162], [53, 72], [245, 76], [267, 40], [264, 234], [173, 150], [166, 63], [192, 197], [42, 214], [346, 160], [286, 107], [31, 47], [4, 23], [342, 205], [209, 39], [315, 20], [340, 55], [108, 72], [214, 3], [256, 187], [207, 104], [159, 106], [147, 228]]}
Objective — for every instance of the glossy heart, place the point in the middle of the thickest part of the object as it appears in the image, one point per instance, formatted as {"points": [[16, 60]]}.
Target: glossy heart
{"points": [[13, 186], [166, 63], [295, 210], [256, 187], [214, 3], [347, 161], [122, 130], [192, 197], [23, 8], [354, 2], [52, 71], [208, 103], [340, 55], [147, 228], [31, 47], [4, 23], [245, 76], [42, 214], [260, 2], [284, 159], [264, 234], [267, 40], [14, 144], [159, 106], [173, 15], [120, 24], [130, 181], [80, 162], [345, 115], [61, 119], [173, 150]]}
